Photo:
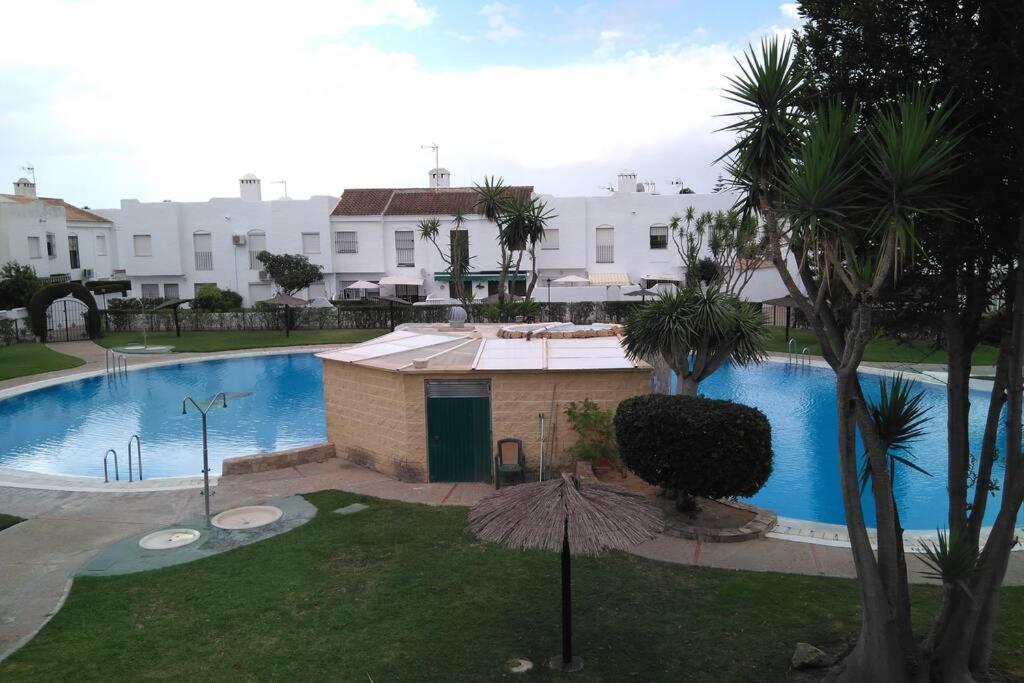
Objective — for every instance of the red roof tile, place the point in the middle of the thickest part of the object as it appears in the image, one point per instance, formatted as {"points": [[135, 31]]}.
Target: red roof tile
{"points": [[71, 212], [410, 201]]}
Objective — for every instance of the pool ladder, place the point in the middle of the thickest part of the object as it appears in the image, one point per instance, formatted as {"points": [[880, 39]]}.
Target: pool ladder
{"points": [[117, 364], [138, 457], [801, 358]]}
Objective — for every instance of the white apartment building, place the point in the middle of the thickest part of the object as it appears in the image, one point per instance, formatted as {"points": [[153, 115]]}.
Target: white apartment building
{"points": [[172, 249], [618, 241], [54, 237]]}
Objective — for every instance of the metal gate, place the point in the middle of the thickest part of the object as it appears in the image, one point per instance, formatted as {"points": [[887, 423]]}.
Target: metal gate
{"points": [[67, 320], [459, 430]]}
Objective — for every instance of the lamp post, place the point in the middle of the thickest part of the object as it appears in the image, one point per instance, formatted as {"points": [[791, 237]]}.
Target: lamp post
{"points": [[206, 460]]}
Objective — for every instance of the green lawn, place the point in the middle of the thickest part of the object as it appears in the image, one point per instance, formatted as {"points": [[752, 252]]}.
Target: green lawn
{"points": [[239, 339], [402, 592], [879, 350], [19, 360], [8, 520]]}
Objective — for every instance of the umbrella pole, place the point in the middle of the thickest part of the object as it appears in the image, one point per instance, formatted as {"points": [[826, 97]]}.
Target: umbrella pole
{"points": [[566, 663], [566, 600]]}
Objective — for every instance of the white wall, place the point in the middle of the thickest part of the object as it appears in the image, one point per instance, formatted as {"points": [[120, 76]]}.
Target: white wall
{"points": [[19, 221], [173, 226]]}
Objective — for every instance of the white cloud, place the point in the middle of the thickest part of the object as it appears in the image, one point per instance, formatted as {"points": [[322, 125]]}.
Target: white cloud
{"points": [[790, 10], [159, 107], [500, 26]]}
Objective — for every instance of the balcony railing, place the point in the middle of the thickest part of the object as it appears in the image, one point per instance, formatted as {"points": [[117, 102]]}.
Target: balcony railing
{"points": [[605, 254], [204, 260], [254, 263]]}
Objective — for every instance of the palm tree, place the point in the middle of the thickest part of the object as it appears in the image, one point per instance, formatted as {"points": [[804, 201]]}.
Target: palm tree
{"points": [[521, 224], [841, 192], [539, 217], [696, 331], [459, 252], [491, 197]]}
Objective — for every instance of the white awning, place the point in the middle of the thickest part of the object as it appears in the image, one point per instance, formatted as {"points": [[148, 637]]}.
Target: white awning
{"points": [[410, 280], [363, 284], [666, 277], [570, 280], [609, 279]]}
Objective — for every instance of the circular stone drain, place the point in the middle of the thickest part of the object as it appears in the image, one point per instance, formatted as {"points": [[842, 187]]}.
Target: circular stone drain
{"points": [[248, 517], [165, 539]]}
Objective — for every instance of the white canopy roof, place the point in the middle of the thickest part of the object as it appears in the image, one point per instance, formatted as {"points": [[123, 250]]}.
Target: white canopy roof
{"points": [[411, 280], [363, 284], [661, 276], [570, 280]]}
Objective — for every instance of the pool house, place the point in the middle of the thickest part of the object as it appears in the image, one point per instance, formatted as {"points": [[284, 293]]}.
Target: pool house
{"points": [[431, 403]]}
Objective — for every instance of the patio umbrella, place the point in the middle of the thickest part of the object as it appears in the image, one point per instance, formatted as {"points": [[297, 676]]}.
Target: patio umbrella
{"points": [[174, 304], [641, 292], [787, 302], [392, 300], [321, 302], [571, 280], [363, 285], [286, 300], [576, 516]]}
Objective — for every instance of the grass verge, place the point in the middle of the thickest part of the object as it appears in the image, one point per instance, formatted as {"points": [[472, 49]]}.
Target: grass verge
{"points": [[230, 340], [20, 360], [879, 350], [402, 592], [8, 521]]}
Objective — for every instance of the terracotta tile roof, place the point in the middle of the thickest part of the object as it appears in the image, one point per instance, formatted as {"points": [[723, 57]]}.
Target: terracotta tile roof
{"points": [[71, 212], [410, 201]]}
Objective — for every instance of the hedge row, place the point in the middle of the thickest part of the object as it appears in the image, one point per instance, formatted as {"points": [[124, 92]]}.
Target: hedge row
{"points": [[348, 316]]}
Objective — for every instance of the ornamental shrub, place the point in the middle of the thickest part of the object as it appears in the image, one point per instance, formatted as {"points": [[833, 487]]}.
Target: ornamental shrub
{"points": [[693, 446], [595, 435]]}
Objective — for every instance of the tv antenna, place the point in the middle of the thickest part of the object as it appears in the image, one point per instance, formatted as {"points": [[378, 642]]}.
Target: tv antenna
{"points": [[433, 146], [31, 170], [282, 182]]}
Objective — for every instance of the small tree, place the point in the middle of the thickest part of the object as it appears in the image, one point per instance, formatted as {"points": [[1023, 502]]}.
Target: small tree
{"points": [[595, 435], [17, 285], [456, 257], [736, 248], [695, 446], [290, 272], [710, 325]]}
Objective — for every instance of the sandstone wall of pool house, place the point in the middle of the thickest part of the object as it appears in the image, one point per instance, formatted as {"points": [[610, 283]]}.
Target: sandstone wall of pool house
{"points": [[386, 413]]}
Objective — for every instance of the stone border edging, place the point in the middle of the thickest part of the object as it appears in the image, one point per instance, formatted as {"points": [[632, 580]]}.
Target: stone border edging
{"points": [[264, 462], [762, 523]]}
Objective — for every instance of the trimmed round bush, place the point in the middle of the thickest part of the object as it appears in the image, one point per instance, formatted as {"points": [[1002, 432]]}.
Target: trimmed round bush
{"points": [[695, 446]]}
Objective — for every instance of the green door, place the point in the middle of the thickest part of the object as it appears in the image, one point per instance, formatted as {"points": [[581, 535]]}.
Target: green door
{"points": [[459, 430]]}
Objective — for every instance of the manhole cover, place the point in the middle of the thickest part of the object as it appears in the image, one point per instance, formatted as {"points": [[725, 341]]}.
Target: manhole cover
{"points": [[248, 517], [166, 539]]}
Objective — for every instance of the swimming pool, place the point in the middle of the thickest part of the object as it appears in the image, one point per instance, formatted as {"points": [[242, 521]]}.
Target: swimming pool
{"points": [[66, 428], [799, 401]]}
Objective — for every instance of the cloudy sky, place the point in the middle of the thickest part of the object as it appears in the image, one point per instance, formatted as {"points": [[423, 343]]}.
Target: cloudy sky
{"points": [[112, 99]]}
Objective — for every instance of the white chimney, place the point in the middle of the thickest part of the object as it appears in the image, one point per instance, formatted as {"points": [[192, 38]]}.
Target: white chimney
{"points": [[439, 177], [23, 187], [249, 188], [627, 181]]}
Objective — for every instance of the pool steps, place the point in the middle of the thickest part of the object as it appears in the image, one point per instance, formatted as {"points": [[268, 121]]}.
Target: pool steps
{"points": [[117, 473]]}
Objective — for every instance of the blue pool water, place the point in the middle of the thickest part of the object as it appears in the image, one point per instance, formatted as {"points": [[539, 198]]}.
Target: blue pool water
{"points": [[800, 404], [67, 428]]}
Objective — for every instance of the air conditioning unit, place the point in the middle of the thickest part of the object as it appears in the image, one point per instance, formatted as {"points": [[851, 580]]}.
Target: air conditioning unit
{"points": [[264, 276], [86, 273], [238, 240]]}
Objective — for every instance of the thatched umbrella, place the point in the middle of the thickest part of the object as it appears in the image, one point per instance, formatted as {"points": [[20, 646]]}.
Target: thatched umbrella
{"points": [[286, 300], [578, 517]]}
